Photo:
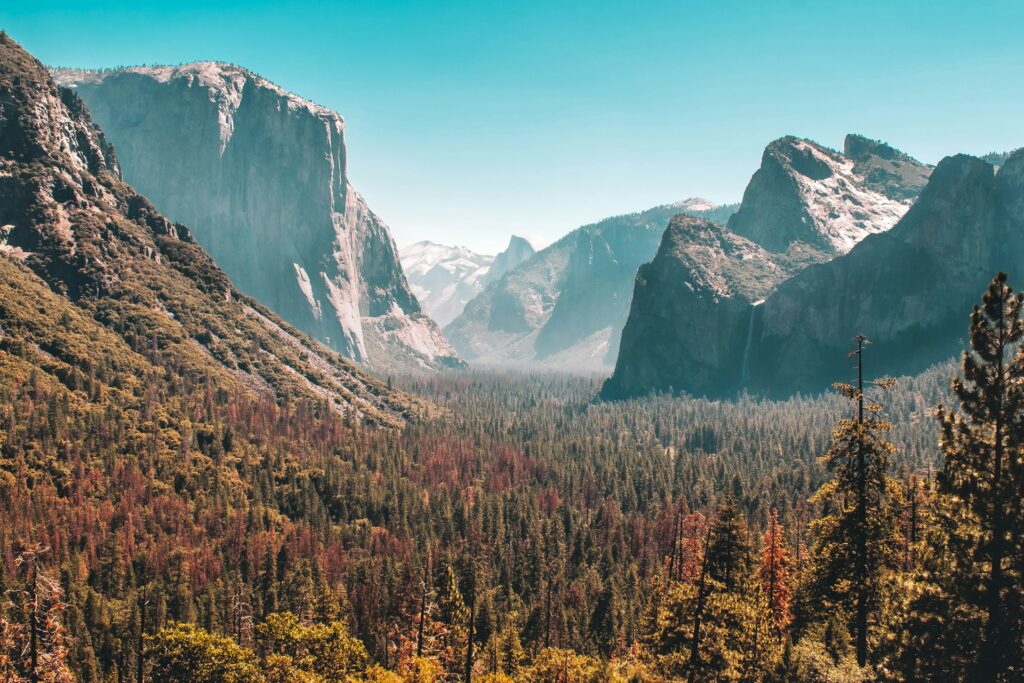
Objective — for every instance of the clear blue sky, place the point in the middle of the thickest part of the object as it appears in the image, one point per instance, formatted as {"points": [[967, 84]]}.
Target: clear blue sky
{"points": [[471, 120]]}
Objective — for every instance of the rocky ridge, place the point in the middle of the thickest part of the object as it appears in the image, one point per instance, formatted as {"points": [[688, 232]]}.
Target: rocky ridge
{"points": [[806, 193], [908, 289], [564, 308]]}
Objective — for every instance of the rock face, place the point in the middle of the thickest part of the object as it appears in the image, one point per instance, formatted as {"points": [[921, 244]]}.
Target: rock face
{"points": [[806, 193], [700, 308], [565, 307], [717, 280], [260, 176], [94, 277], [445, 278], [908, 289]]}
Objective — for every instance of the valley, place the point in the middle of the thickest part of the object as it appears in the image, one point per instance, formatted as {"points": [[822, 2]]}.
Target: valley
{"points": [[247, 438]]}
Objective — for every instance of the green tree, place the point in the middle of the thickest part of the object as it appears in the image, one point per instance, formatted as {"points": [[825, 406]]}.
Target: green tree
{"points": [[185, 653], [857, 537], [967, 616]]}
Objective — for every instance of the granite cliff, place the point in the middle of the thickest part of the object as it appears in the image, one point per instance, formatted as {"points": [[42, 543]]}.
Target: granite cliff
{"points": [[259, 174], [908, 289]]}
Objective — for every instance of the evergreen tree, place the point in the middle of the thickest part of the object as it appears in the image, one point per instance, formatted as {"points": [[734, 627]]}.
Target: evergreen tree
{"points": [[857, 544], [774, 575], [968, 614]]}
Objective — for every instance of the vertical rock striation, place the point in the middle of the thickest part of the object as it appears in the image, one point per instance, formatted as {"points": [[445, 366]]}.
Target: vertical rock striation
{"points": [[260, 176]]}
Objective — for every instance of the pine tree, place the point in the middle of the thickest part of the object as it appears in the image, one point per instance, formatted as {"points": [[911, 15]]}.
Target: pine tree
{"points": [[857, 542], [982, 484]]}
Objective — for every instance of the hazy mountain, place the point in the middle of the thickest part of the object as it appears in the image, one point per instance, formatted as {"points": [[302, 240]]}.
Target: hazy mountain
{"points": [[906, 289], [101, 293], [565, 306], [696, 306], [444, 278], [260, 176]]}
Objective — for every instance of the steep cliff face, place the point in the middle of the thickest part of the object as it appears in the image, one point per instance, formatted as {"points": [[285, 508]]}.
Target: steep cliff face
{"points": [[445, 278], [96, 283], [909, 290], [565, 307], [806, 193], [693, 312], [260, 176]]}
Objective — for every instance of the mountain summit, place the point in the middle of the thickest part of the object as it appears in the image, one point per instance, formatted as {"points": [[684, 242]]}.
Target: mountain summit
{"points": [[804, 192], [260, 176]]}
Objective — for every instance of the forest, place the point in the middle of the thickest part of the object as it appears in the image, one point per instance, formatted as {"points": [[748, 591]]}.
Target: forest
{"points": [[164, 530]]}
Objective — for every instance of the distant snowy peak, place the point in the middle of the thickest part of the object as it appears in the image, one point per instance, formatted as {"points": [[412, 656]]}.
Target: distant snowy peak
{"points": [[806, 193], [418, 259], [696, 205], [444, 278]]}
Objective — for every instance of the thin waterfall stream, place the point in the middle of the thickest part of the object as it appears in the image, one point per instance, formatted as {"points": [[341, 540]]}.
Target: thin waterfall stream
{"points": [[745, 365]]}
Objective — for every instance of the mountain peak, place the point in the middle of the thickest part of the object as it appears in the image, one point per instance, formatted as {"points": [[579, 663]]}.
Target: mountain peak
{"points": [[807, 193], [695, 204]]}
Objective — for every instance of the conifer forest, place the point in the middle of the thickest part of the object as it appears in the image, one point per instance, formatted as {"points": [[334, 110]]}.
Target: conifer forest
{"points": [[525, 533], [288, 396]]}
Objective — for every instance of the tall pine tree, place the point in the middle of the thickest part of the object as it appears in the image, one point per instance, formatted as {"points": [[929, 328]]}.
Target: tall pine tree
{"points": [[857, 538], [981, 481]]}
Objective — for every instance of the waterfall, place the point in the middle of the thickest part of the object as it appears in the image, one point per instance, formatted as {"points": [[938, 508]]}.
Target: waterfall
{"points": [[745, 365]]}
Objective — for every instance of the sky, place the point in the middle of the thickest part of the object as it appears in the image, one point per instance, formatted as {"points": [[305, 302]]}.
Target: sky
{"points": [[468, 121]]}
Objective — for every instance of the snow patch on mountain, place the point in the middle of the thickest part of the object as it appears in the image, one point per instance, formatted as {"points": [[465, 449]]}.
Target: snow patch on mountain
{"points": [[445, 278], [842, 208]]}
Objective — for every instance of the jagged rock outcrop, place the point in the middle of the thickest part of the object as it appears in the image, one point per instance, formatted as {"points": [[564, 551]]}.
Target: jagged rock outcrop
{"points": [[445, 278], [259, 174], [97, 283], [886, 169], [693, 311], [809, 194], [565, 307]]}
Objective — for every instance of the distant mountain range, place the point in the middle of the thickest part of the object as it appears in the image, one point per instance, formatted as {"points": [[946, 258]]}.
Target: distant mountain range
{"points": [[259, 174], [103, 295], [714, 313], [565, 306], [444, 278]]}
